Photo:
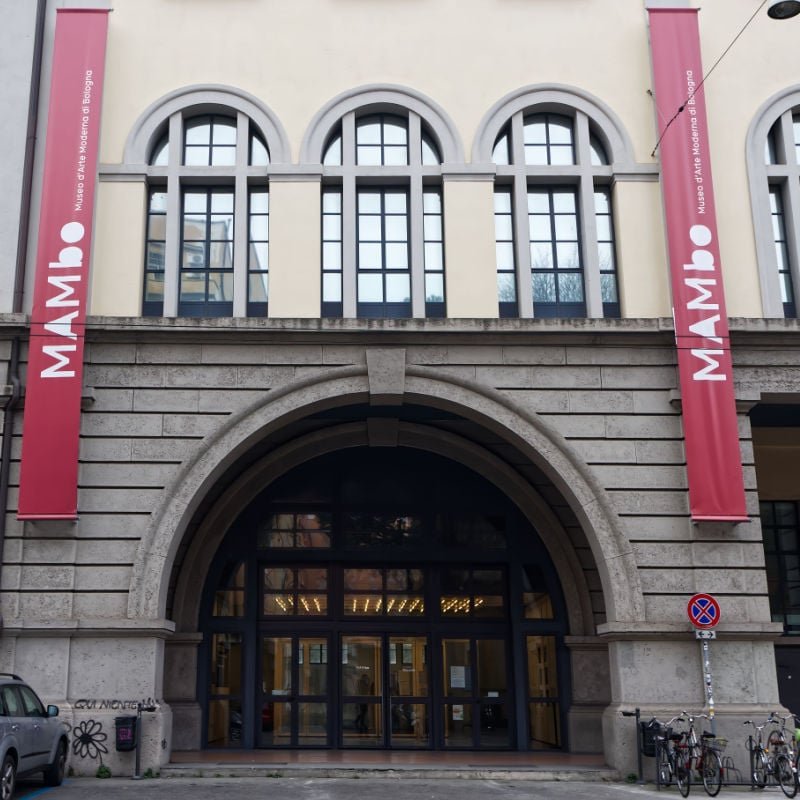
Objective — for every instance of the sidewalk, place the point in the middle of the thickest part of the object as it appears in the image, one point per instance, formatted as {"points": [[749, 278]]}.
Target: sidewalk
{"points": [[423, 765], [355, 789]]}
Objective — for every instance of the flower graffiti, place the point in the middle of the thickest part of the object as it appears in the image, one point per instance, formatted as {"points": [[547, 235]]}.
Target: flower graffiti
{"points": [[88, 740]]}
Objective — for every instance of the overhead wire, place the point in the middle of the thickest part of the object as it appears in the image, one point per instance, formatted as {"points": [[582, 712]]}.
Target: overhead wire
{"points": [[705, 77]]}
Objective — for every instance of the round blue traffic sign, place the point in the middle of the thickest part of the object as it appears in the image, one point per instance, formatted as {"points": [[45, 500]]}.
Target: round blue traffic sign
{"points": [[703, 611]]}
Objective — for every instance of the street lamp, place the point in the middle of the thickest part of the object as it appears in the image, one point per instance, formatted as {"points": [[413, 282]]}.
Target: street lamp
{"points": [[783, 9]]}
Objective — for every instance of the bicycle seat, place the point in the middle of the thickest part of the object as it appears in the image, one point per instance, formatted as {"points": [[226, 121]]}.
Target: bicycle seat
{"points": [[708, 735]]}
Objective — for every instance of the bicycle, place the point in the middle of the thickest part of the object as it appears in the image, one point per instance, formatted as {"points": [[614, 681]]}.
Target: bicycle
{"points": [[781, 742], [672, 755], [770, 761], [704, 755]]}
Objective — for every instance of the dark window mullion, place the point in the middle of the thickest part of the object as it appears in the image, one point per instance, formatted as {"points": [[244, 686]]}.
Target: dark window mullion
{"points": [[553, 235], [383, 227]]}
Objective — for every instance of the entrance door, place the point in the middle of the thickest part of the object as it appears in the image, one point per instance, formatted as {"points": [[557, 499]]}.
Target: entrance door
{"points": [[294, 692], [475, 683], [384, 691]]}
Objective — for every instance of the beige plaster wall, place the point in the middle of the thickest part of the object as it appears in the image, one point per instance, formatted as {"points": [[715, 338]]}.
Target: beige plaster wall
{"points": [[761, 63], [641, 250], [118, 249], [297, 56], [471, 272], [330, 46], [294, 250]]}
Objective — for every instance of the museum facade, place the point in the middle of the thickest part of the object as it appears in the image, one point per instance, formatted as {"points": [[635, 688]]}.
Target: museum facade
{"points": [[383, 435]]}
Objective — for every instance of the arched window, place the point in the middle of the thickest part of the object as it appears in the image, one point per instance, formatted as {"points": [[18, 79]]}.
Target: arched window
{"points": [[208, 193], [556, 253], [207, 160], [382, 152], [773, 151]]}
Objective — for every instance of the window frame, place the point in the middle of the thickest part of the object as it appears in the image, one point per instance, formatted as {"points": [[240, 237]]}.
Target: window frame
{"points": [[206, 307], [584, 177], [782, 173], [602, 127], [776, 557], [162, 123], [175, 179], [349, 178]]}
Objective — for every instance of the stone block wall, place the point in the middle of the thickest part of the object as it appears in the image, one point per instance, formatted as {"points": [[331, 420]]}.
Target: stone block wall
{"points": [[157, 392]]}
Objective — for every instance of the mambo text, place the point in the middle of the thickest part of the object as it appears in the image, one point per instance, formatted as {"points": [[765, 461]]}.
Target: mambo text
{"points": [[704, 300], [62, 278]]}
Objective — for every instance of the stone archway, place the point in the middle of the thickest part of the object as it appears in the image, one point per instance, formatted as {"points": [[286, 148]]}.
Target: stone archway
{"points": [[383, 383]]}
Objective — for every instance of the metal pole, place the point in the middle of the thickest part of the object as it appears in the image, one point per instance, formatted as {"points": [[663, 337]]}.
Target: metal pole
{"points": [[137, 766], [640, 739], [639, 743], [706, 648]]}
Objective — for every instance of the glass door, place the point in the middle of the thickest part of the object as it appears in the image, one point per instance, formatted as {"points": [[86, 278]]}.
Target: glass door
{"points": [[294, 691], [408, 691], [362, 691], [544, 711], [385, 691], [475, 687], [225, 691]]}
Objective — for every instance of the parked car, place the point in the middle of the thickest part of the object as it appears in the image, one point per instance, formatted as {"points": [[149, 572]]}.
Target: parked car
{"points": [[31, 738]]}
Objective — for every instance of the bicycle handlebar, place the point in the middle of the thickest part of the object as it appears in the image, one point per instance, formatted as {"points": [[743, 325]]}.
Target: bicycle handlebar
{"points": [[653, 722]]}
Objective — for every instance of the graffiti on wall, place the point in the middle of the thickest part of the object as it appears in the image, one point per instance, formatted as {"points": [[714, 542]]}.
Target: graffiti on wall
{"points": [[95, 704], [89, 740]]}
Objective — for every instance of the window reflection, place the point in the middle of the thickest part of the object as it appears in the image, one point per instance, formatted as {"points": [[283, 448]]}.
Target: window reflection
{"points": [[207, 249], [295, 530], [545, 730], [229, 597], [225, 707], [294, 591], [383, 592], [258, 253], [536, 600], [371, 530], [468, 592]]}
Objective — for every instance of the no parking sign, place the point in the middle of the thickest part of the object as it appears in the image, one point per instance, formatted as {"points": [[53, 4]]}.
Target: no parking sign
{"points": [[703, 611]]}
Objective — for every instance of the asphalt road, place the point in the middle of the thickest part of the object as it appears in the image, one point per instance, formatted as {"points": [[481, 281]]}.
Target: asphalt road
{"points": [[396, 788]]}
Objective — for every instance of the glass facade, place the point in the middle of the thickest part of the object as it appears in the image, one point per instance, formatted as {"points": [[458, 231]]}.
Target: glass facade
{"points": [[375, 627]]}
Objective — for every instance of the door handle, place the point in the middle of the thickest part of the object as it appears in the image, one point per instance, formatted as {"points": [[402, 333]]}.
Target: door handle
{"points": [[15, 727]]}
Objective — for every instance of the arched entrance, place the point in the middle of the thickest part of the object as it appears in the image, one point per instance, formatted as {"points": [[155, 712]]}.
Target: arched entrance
{"points": [[514, 450], [385, 598]]}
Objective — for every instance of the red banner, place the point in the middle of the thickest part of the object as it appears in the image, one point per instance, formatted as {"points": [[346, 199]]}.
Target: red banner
{"points": [[713, 458], [49, 472]]}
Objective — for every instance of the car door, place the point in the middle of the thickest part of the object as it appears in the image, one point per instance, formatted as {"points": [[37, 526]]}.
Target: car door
{"points": [[19, 726], [39, 727]]}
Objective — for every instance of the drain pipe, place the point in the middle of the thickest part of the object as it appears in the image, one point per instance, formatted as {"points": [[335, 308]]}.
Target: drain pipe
{"points": [[19, 273]]}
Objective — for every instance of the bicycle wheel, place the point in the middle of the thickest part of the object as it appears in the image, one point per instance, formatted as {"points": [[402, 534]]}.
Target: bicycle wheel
{"points": [[664, 767], [760, 770], [712, 772], [785, 775], [683, 774]]}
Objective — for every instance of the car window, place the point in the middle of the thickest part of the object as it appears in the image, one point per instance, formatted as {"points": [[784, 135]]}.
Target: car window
{"points": [[33, 706], [12, 701]]}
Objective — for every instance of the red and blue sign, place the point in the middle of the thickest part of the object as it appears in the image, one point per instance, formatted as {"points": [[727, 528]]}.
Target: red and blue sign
{"points": [[703, 611]]}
